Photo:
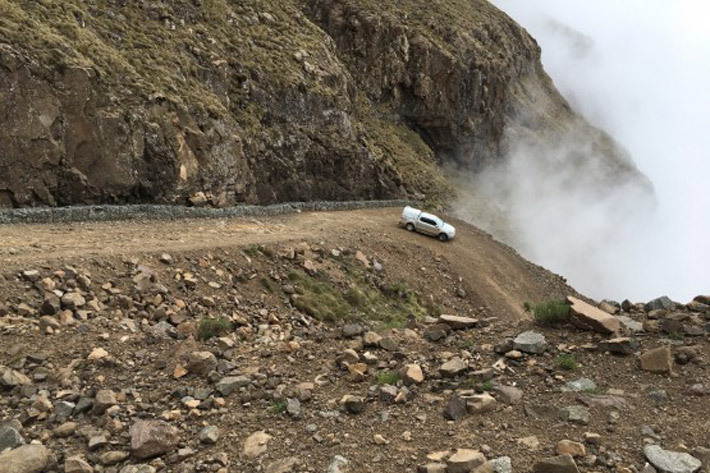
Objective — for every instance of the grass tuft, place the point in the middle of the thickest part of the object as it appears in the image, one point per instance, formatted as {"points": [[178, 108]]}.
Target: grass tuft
{"points": [[213, 327], [567, 362], [551, 313], [387, 377]]}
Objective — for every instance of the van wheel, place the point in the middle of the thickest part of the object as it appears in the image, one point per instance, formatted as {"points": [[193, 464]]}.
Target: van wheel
{"points": [[410, 227], [443, 237]]}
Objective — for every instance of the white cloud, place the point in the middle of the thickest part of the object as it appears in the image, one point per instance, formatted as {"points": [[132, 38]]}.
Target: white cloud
{"points": [[638, 69]]}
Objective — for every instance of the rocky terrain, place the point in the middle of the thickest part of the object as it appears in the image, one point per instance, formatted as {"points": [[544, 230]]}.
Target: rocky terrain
{"points": [[308, 344], [219, 102]]}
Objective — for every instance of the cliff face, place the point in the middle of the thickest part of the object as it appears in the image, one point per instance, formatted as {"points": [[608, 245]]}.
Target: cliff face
{"points": [[220, 102]]}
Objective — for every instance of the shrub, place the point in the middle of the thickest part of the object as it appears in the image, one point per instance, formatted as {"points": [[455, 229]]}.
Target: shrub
{"points": [[567, 362], [487, 385], [387, 377], [551, 312], [213, 327]]}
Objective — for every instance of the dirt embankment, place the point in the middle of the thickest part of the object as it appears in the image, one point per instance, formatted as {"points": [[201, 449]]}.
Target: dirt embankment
{"points": [[324, 341]]}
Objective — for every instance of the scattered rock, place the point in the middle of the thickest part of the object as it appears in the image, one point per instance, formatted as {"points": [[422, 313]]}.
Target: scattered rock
{"points": [[453, 367], [464, 460], [209, 435], [558, 464], [508, 394], [530, 342], [201, 363], [480, 403], [666, 461], [229, 384], [353, 404], [336, 464], [150, 438], [588, 317], [458, 323], [10, 437], [77, 464], [657, 360], [660, 303], [499, 465], [568, 447], [25, 459], [413, 375], [455, 409], [285, 465], [104, 399], [256, 444], [618, 346], [576, 414], [582, 384]]}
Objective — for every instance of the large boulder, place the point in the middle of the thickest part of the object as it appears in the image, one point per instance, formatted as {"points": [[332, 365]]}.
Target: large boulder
{"points": [[588, 317]]}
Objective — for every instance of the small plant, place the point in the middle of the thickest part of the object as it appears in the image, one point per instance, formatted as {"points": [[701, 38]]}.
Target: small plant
{"points": [[279, 407], [387, 377], [567, 362], [213, 327], [551, 313], [253, 250], [487, 385], [469, 344], [676, 335], [595, 390], [269, 285], [527, 306]]}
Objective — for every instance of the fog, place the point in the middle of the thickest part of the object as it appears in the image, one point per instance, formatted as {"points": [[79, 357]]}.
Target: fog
{"points": [[639, 69]]}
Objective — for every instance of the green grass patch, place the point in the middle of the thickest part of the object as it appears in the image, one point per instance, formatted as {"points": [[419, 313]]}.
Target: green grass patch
{"points": [[567, 362], [487, 385], [551, 313], [676, 335], [213, 327], [269, 285], [279, 407], [387, 377], [390, 306]]}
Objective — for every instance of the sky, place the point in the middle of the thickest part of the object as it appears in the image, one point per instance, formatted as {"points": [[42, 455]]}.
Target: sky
{"points": [[640, 70]]}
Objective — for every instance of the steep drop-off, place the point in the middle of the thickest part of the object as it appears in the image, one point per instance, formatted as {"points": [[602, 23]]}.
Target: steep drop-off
{"points": [[217, 102]]}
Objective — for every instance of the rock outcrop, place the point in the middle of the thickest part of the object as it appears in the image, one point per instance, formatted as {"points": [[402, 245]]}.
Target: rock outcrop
{"points": [[219, 103]]}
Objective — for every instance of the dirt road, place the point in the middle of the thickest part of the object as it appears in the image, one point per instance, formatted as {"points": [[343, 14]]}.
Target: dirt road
{"points": [[493, 274]]}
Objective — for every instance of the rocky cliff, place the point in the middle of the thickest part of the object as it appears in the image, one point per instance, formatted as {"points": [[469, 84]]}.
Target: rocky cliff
{"points": [[219, 102]]}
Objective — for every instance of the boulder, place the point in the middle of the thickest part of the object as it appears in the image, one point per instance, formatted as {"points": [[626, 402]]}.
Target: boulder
{"points": [[151, 438], [530, 342], [256, 444], [666, 461], [618, 346], [77, 464], [25, 459], [457, 322], [660, 303], [569, 447], [201, 363], [453, 367], [658, 360], [558, 464], [588, 317], [464, 460]]}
